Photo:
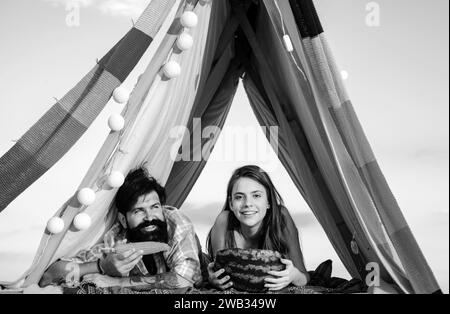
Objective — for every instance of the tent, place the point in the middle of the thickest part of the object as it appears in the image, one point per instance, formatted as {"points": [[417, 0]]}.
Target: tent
{"points": [[279, 51]]}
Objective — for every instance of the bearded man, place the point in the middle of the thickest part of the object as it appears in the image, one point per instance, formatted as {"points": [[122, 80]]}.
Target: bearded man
{"points": [[142, 217]]}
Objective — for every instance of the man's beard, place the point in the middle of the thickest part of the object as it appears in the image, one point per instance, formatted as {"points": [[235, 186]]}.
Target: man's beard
{"points": [[159, 234]]}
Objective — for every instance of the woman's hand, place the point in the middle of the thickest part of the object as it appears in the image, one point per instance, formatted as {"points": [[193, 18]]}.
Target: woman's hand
{"points": [[222, 284], [284, 278]]}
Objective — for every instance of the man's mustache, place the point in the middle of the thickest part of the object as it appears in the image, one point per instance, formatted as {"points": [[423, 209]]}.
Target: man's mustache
{"points": [[155, 222]]}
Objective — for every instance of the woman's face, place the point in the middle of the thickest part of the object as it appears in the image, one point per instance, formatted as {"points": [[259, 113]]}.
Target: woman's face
{"points": [[249, 202]]}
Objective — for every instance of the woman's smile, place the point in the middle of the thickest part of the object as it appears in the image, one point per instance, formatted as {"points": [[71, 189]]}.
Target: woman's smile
{"points": [[248, 212]]}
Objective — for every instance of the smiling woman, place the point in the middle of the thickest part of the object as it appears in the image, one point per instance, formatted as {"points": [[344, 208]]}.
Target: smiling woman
{"points": [[254, 217]]}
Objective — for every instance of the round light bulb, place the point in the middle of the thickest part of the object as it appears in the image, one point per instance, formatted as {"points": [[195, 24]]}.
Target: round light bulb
{"points": [[189, 19], [86, 196], [55, 225], [115, 179], [82, 221], [121, 95], [116, 122], [185, 42], [172, 69]]}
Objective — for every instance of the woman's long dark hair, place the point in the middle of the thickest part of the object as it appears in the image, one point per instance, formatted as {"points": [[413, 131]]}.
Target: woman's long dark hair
{"points": [[274, 222]]}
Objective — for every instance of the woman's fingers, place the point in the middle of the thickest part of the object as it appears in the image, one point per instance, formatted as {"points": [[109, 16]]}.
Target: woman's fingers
{"points": [[275, 280], [287, 262], [283, 273], [227, 286], [276, 287], [219, 272], [222, 284], [223, 281], [214, 274]]}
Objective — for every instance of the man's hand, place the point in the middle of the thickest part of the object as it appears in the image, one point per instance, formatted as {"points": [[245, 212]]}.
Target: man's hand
{"points": [[120, 265], [56, 274], [102, 281]]}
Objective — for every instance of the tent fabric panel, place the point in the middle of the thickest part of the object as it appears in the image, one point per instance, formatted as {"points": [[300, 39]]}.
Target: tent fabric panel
{"points": [[352, 134], [151, 21], [105, 91], [410, 254], [126, 54], [418, 271], [306, 18], [326, 95], [320, 132], [85, 101]]}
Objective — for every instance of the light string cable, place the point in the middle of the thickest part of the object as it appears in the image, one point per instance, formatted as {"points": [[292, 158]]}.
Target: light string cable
{"points": [[284, 34]]}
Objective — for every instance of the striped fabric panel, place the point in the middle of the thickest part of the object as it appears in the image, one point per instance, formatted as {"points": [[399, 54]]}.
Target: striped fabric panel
{"points": [[399, 232], [124, 56], [150, 22], [352, 134], [55, 133], [341, 89], [306, 18], [395, 228], [419, 273], [84, 102], [383, 198]]}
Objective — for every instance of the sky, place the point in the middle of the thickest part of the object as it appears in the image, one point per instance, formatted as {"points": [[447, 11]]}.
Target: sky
{"points": [[397, 79]]}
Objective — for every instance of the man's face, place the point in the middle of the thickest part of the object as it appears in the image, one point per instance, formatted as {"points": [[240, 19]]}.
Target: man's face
{"points": [[145, 220]]}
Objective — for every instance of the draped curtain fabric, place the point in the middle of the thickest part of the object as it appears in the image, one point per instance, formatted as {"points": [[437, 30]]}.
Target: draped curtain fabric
{"points": [[316, 101]]}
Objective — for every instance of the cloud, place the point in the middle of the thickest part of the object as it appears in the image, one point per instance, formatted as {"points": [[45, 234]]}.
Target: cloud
{"points": [[130, 8], [127, 8]]}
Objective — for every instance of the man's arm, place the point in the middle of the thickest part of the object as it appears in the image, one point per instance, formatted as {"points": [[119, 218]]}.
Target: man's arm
{"points": [[63, 272], [169, 280]]}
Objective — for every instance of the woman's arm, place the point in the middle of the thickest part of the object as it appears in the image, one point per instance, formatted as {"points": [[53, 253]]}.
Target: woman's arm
{"points": [[218, 233], [295, 252]]}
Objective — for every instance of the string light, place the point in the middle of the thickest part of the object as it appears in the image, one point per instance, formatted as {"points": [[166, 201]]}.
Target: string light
{"points": [[82, 221], [189, 19], [116, 122], [86, 196], [185, 42], [172, 69], [115, 179], [55, 225], [121, 95]]}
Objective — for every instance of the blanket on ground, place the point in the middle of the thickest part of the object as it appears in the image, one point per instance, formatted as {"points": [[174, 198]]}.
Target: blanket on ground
{"points": [[320, 282]]}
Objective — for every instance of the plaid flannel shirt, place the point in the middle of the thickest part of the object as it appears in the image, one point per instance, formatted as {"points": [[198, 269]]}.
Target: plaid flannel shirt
{"points": [[182, 258]]}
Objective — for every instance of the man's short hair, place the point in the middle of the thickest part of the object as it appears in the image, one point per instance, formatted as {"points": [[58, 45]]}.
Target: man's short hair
{"points": [[137, 183]]}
